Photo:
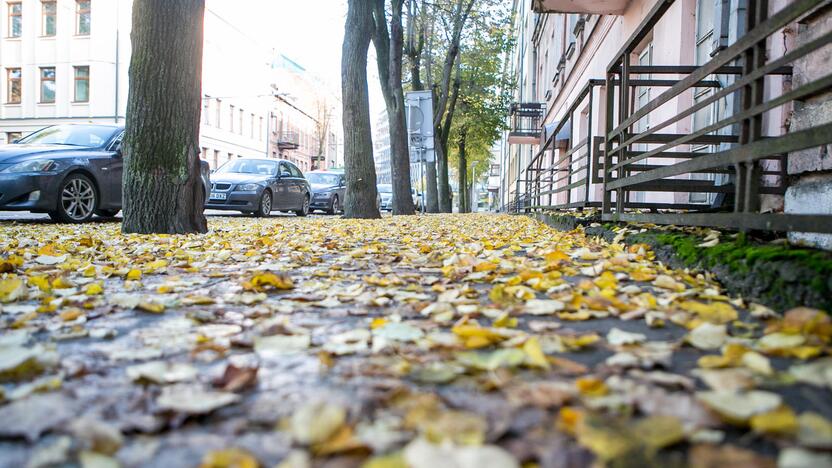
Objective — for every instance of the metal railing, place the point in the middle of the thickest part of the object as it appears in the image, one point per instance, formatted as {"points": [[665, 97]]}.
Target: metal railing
{"points": [[288, 140], [638, 159], [526, 118]]}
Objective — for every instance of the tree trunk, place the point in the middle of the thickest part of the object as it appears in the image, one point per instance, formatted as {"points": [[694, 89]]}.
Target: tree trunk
{"points": [[431, 191], [463, 176], [444, 132], [360, 171], [162, 187], [389, 50]]}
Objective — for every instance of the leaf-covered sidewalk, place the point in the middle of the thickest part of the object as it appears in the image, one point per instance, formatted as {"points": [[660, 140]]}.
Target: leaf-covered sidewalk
{"points": [[471, 341]]}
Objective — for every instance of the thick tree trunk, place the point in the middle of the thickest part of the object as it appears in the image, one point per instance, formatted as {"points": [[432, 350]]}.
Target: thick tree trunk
{"points": [[360, 169], [431, 193], [163, 190], [444, 132], [389, 50]]}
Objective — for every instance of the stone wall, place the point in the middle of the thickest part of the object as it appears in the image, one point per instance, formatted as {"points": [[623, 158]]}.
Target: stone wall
{"points": [[810, 191]]}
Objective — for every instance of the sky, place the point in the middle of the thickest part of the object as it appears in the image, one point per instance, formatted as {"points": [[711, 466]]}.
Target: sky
{"points": [[310, 32]]}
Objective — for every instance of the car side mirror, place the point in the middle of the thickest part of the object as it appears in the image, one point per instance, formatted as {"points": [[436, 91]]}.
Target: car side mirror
{"points": [[118, 153], [285, 174]]}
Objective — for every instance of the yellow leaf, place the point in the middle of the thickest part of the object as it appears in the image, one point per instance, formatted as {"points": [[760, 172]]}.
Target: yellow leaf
{"points": [[89, 272], [229, 458], [667, 282], [134, 275], [93, 289], [716, 312], [71, 314], [152, 307], [12, 289], [378, 322], [591, 386], [781, 421], [263, 281], [534, 353], [41, 282], [569, 419], [606, 280]]}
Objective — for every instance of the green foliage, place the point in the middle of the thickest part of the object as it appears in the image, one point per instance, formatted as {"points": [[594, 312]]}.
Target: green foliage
{"points": [[484, 87]]}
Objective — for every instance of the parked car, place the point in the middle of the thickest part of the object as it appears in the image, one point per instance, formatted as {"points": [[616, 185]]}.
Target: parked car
{"points": [[259, 186], [328, 190], [385, 192], [70, 171]]}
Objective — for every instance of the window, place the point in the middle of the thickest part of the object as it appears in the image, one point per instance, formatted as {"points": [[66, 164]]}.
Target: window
{"points": [[231, 118], [251, 128], [82, 84], [13, 86], [206, 110], [49, 13], [47, 84], [82, 17], [218, 114], [240, 128], [15, 19], [12, 137], [295, 171]]}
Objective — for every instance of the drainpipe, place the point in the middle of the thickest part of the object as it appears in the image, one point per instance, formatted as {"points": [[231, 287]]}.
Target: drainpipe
{"points": [[118, 19]]}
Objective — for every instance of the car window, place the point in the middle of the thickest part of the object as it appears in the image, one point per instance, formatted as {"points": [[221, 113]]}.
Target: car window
{"points": [[322, 178], [295, 171], [284, 168], [90, 136], [249, 166]]}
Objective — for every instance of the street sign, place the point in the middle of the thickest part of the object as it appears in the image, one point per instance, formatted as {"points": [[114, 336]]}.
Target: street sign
{"points": [[419, 115]]}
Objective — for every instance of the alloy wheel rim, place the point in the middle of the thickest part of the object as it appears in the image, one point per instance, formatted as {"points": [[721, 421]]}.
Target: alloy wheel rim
{"points": [[78, 199], [335, 204], [306, 205], [266, 205]]}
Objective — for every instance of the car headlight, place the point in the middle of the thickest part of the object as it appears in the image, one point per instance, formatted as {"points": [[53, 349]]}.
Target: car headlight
{"points": [[248, 187], [39, 165]]}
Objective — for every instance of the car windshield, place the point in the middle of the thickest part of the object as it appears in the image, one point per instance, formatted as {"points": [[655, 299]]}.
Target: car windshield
{"points": [[385, 188], [249, 166], [320, 178], [90, 136]]}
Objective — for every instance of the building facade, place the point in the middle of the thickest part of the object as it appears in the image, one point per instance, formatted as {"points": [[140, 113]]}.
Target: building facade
{"points": [[381, 148], [66, 61], [663, 83], [305, 124]]}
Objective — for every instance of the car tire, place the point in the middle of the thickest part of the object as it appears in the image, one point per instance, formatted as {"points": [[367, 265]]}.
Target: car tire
{"points": [[77, 200], [107, 213], [333, 206], [304, 209], [264, 206]]}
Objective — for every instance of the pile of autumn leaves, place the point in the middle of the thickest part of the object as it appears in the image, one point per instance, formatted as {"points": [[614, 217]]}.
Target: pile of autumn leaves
{"points": [[539, 281]]}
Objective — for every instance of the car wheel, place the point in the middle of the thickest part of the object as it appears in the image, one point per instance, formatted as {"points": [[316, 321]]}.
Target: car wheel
{"points": [[334, 206], [77, 200], [304, 209], [264, 208], [107, 213]]}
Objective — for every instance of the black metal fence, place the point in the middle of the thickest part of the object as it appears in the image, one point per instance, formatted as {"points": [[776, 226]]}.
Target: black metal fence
{"points": [[717, 173]]}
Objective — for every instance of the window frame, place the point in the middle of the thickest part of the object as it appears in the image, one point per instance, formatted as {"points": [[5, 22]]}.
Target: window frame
{"points": [[44, 80], [10, 6], [76, 79], [10, 80], [79, 13], [44, 16]]}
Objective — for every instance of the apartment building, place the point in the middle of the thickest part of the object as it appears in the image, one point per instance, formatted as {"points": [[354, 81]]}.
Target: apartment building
{"points": [[67, 61], [305, 118], [381, 148], [666, 94]]}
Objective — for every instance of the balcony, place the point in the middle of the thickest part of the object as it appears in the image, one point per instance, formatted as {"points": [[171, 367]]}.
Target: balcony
{"points": [[288, 140], [593, 7], [526, 119]]}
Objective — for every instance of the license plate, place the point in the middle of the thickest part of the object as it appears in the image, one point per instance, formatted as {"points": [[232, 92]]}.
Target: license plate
{"points": [[217, 196]]}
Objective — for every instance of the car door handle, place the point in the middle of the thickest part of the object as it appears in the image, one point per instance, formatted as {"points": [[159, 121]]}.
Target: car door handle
{"points": [[105, 169]]}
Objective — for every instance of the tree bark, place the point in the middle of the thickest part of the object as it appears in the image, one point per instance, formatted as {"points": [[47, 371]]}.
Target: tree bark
{"points": [[431, 191], [389, 51], [460, 15], [162, 187], [463, 175], [360, 171], [444, 132]]}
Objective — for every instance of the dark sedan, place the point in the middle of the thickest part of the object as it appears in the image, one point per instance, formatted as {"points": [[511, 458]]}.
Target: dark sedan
{"points": [[70, 171], [259, 186], [328, 190]]}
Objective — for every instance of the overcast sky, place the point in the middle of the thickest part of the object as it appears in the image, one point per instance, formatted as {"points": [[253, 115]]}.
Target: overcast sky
{"points": [[310, 32]]}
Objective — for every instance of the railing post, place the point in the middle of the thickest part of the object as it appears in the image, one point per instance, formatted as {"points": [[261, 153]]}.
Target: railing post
{"points": [[606, 203], [623, 114], [590, 155]]}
